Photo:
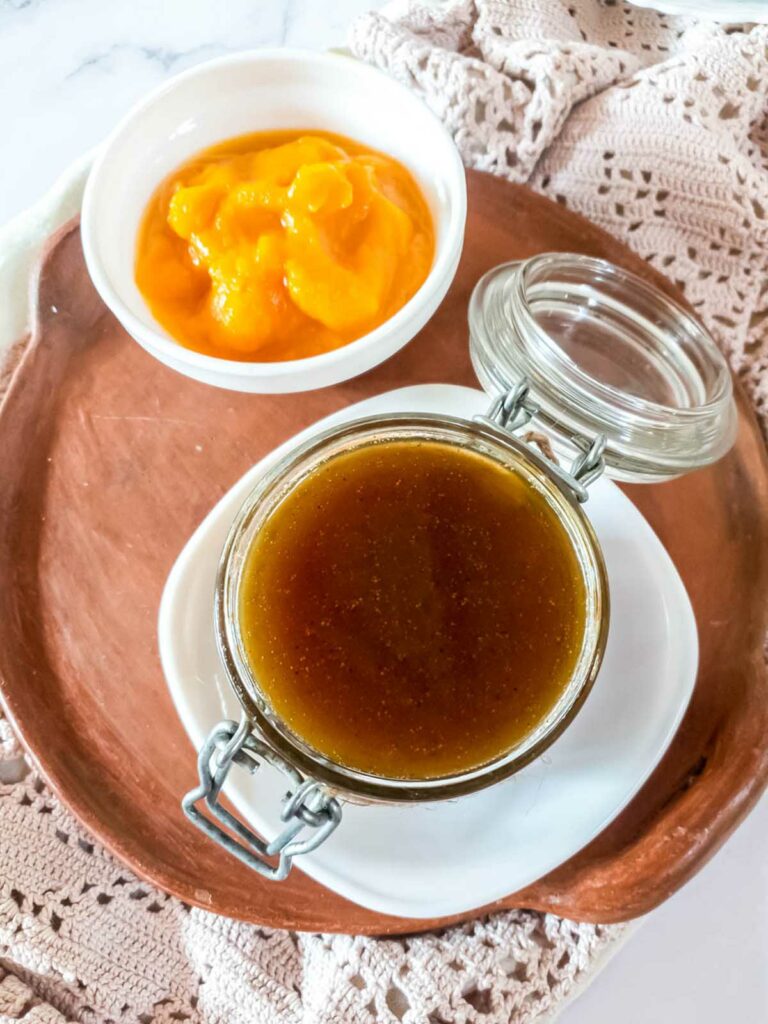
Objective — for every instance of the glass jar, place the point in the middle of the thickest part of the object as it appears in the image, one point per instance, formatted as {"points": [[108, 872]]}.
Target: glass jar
{"points": [[584, 357]]}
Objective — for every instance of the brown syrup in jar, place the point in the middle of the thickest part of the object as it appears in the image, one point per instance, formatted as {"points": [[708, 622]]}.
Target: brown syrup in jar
{"points": [[412, 609]]}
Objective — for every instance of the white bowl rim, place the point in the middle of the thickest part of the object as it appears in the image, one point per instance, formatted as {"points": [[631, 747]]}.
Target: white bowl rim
{"points": [[445, 259]]}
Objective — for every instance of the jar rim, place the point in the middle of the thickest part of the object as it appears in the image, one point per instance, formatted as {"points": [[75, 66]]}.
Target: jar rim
{"points": [[568, 323], [267, 495]]}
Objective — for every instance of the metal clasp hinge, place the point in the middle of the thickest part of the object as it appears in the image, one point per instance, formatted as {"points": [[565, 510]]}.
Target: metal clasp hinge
{"points": [[515, 409], [306, 805]]}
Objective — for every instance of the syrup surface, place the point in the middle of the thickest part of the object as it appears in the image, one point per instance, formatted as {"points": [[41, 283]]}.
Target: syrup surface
{"points": [[412, 609]]}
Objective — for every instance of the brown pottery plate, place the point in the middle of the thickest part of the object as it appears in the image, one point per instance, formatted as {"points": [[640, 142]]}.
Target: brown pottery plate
{"points": [[110, 461]]}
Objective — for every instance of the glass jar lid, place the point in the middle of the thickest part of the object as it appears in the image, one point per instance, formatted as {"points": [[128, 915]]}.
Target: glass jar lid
{"points": [[604, 352]]}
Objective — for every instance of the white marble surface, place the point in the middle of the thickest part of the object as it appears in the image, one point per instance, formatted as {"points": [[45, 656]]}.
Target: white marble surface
{"points": [[68, 70]]}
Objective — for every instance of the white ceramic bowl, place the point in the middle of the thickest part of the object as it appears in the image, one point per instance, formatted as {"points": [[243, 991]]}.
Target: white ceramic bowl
{"points": [[255, 91]]}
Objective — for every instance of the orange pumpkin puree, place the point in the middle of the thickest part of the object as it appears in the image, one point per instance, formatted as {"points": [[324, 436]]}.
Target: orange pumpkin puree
{"points": [[281, 245]]}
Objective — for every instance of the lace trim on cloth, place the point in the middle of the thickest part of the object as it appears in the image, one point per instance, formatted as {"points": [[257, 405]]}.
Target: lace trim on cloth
{"points": [[653, 127], [82, 939]]}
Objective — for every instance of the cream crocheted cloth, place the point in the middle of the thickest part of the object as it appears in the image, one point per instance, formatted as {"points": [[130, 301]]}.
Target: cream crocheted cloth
{"points": [[653, 127], [656, 128]]}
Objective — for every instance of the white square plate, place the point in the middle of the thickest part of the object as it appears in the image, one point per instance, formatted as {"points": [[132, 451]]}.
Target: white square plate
{"points": [[438, 859]]}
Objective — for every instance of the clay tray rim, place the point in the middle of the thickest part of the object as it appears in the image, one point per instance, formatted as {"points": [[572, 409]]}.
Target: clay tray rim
{"points": [[24, 240], [687, 864]]}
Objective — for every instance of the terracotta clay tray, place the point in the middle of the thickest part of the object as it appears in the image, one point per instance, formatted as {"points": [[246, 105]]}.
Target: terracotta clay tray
{"points": [[109, 462]]}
